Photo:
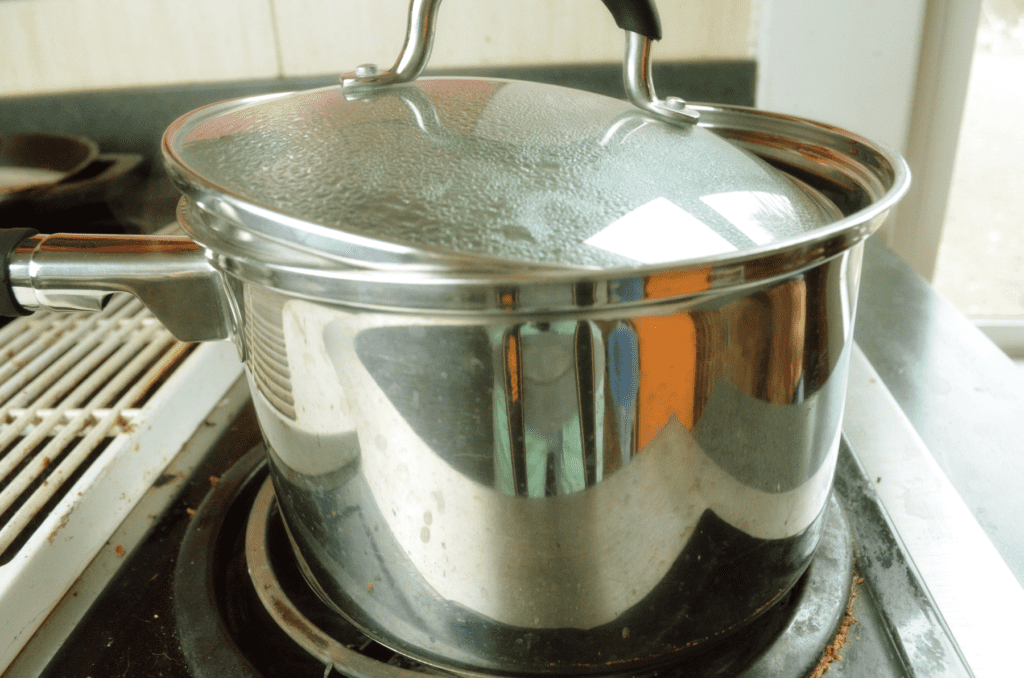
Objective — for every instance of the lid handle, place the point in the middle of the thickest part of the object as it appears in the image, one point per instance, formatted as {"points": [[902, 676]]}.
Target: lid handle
{"points": [[639, 18]]}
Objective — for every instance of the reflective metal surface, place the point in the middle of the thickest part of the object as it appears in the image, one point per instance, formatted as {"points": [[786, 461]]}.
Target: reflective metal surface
{"points": [[604, 488], [536, 468], [170, 274], [639, 84], [459, 174], [419, 39], [862, 179], [786, 642]]}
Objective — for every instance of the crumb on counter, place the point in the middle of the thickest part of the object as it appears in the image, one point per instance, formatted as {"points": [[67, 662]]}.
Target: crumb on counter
{"points": [[831, 652]]}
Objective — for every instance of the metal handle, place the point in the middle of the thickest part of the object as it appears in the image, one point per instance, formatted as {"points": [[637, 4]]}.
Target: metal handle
{"points": [[10, 239], [169, 274], [636, 78], [639, 18]]}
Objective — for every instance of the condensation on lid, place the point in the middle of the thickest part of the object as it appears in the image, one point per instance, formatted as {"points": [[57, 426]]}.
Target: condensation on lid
{"points": [[521, 171]]}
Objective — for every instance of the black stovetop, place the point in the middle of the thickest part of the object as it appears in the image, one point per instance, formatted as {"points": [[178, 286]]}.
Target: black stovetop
{"points": [[133, 630]]}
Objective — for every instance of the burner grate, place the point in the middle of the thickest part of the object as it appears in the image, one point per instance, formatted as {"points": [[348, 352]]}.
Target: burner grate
{"points": [[242, 608], [92, 408], [50, 438]]}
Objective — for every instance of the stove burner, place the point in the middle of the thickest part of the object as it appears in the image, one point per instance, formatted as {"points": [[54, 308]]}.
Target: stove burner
{"points": [[330, 639], [269, 622]]}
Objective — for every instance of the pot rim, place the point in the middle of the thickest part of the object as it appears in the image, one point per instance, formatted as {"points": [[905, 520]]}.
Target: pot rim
{"points": [[864, 179]]}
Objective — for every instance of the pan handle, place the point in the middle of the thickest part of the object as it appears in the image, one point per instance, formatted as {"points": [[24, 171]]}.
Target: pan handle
{"points": [[10, 239], [639, 18], [68, 272]]}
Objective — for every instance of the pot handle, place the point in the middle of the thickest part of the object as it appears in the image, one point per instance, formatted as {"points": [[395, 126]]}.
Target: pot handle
{"points": [[10, 238], [69, 272], [639, 18]]}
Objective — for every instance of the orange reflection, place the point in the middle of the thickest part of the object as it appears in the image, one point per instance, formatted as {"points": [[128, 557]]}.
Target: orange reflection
{"points": [[668, 369], [512, 367], [677, 283], [667, 347]]}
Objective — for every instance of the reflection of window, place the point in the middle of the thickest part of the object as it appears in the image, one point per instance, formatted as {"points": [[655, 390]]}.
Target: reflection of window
{"points": [[657, 232], [750, 211]]}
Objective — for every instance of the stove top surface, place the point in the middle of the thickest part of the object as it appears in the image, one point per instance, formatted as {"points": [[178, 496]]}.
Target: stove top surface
{"points": [[155, 618], [214, 560]]}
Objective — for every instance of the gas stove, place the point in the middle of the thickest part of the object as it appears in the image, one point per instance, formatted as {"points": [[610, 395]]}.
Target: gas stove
{"points": [[197, 579], [131, 493]]}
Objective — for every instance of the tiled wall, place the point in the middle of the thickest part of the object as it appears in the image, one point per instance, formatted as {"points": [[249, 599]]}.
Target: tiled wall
{"points": [[61, 45]]}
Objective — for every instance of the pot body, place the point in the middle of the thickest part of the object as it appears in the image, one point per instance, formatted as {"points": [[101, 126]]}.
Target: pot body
{"points": [[585, 491], [526, 470]]}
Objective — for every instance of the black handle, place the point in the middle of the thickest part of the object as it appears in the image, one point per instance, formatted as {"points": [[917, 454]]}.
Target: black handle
{"points": [[638, 16], [10, 238]]}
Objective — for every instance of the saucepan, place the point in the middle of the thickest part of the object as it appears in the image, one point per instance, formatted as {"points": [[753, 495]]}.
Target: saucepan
{"points": [[549, 382]]}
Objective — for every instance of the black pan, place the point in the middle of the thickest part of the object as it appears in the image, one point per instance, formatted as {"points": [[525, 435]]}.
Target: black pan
{"points": [[32, 162]]}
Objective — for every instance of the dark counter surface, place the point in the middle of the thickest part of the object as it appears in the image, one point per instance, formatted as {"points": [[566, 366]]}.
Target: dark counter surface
{"points": [[963, 395]]}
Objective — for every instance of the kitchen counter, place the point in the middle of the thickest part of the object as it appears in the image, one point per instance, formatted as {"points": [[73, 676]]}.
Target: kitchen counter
{"points": [[964, 396]]}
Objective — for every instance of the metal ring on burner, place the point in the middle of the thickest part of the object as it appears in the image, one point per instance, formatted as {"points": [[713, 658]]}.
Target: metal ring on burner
{"points": [[291, 620], [821, 604]]}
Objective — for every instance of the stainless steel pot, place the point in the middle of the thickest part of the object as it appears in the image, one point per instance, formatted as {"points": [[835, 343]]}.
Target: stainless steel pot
{"points": [[507, 458]]}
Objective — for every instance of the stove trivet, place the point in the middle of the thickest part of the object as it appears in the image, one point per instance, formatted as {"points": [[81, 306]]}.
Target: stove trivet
{"points": [[223, 630], [230, 628], [809, 616]]}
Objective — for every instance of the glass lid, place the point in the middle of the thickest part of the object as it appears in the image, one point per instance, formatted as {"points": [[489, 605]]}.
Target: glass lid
{"points": [[481, 170]]}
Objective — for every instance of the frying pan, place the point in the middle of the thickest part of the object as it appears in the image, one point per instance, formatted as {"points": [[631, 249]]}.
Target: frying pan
{"points": [[30, 162]]}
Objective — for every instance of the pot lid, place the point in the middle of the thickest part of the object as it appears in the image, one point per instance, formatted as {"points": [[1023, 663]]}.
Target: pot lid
{"points": [[452, 171]]}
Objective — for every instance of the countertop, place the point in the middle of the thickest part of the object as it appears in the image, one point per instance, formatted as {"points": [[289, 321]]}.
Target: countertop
{"points": [[964, 396]]}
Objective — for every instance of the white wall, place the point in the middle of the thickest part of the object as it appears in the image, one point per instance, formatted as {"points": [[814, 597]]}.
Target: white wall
{"points": [[852, 64], [894, 71], [58, 45]]}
